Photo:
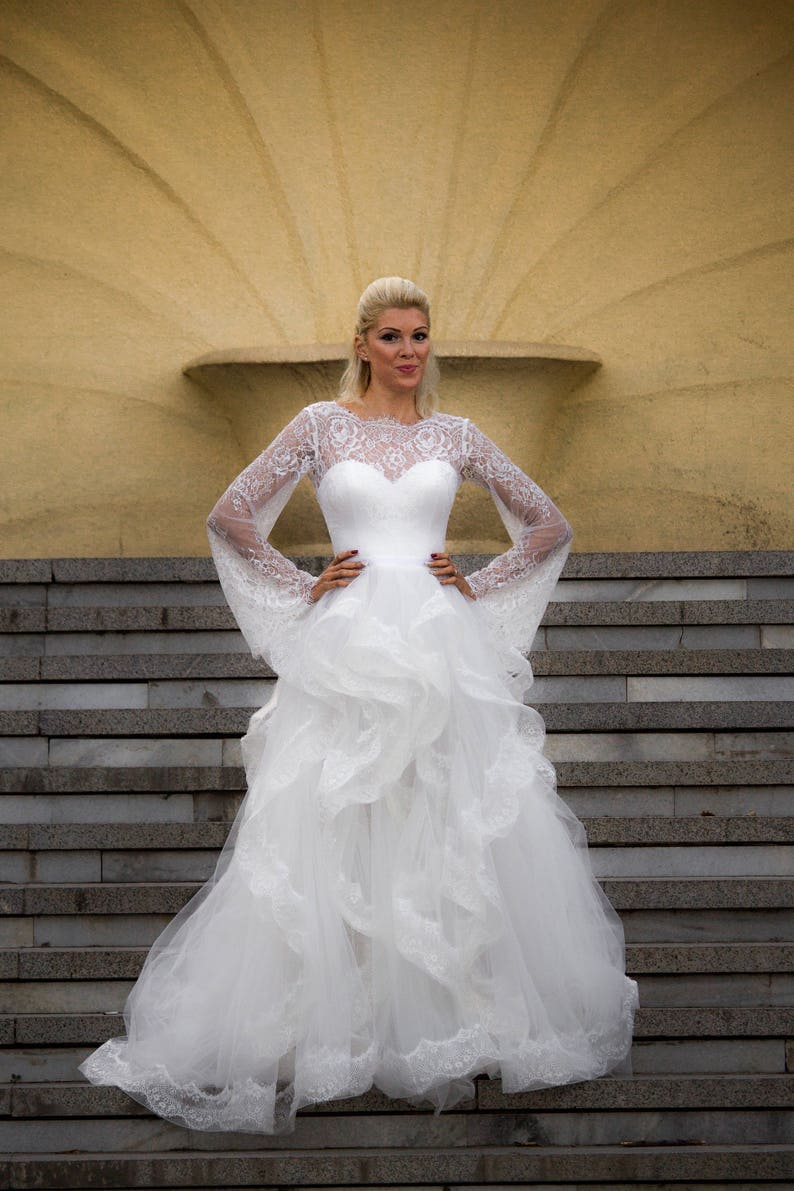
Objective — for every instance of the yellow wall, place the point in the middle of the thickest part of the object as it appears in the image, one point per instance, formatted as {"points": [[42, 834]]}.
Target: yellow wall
{"points": [[179, 176]]}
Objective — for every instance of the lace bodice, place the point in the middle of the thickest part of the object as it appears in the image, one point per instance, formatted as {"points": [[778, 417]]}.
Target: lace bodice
{"points": [[383, 487]]}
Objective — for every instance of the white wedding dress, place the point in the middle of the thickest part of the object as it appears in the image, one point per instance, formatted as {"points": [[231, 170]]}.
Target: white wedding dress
{"points": [[403, 899]]}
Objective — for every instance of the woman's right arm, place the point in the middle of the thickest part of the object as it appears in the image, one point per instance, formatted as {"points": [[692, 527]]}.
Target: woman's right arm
{"points": [[268, 595]]}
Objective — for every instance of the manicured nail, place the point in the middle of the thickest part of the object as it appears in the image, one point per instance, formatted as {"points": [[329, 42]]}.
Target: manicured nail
{"points": [[434, 555]]}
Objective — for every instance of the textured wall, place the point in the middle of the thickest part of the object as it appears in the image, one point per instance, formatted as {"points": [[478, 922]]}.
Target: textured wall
{"points": [[179, 176]]}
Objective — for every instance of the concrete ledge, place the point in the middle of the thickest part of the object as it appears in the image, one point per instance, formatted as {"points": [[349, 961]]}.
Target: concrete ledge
{"points": [[438, 1166], [641, 1092], [723, 1022], [558, 717], [67, 668], [605, 830], [78, 779], [625, 893], [579, 565], [122, 963]]}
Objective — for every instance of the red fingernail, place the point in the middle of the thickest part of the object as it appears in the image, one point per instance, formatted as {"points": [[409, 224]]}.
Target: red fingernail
{"points": [[434, 555], [354, 551]]}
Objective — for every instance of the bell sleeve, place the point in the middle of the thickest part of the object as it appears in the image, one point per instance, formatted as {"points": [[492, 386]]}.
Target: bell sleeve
{"points": [[268, 595], [514, 589]]}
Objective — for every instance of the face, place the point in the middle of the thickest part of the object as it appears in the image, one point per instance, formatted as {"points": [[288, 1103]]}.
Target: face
{"points": [[397, 348]]}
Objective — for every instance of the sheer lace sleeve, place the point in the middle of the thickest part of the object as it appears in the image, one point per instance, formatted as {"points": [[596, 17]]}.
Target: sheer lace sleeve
{"points": [[515, 588], [267, 593]]}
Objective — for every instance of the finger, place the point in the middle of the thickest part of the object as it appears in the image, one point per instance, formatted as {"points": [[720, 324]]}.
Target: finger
{"points": [[344, 554]]}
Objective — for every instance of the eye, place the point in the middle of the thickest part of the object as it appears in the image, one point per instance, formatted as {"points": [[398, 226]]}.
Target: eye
{"points": [[387, 338], [420, 335]]}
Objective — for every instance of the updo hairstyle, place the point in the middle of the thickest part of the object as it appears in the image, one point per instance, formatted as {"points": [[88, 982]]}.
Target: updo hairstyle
{"points": [[383, 294]]}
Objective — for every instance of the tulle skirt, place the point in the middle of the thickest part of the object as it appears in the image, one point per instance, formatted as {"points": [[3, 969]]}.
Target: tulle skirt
{"points": [[403, 900]]}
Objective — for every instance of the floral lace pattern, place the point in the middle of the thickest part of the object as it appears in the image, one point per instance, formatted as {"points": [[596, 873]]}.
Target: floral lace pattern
{"points": [[269, 595]]}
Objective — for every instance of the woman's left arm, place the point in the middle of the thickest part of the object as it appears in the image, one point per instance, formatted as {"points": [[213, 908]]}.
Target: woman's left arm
{"points": [[516, 586]]}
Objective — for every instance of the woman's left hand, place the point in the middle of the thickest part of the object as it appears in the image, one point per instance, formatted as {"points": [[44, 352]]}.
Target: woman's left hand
{"points": [[445, 571]]}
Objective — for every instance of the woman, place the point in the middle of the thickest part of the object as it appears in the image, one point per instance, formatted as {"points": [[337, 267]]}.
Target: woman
{"points": [[403, 899]]}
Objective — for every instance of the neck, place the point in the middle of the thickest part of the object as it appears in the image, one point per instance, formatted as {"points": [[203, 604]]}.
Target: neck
{"points": [[397, 405]]}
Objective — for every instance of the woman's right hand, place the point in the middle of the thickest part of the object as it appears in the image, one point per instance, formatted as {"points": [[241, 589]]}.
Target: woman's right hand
{"points": [[341, 570]]}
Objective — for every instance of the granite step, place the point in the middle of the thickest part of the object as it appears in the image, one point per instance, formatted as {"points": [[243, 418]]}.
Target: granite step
{"points": [[159, 778], [123, 611], [413, 1131], [625, 894], [606, 716], [773, 1021], [191, 864], [611, 830], [119, 963], [74, 668], [523, 1162]]}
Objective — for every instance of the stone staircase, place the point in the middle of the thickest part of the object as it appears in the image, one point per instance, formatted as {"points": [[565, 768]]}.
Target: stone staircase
{"points": [[665, 683]]}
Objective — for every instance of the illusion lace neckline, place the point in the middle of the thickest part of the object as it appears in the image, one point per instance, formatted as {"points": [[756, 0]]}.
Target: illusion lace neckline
{"points": [[389, 418]]}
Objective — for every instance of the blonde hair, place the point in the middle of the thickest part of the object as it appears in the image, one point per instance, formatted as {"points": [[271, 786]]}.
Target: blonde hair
{"points": [[383, 294]]}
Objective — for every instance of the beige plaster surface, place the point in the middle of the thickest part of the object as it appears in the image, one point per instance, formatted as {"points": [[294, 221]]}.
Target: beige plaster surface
{"points": [[183, 177]]}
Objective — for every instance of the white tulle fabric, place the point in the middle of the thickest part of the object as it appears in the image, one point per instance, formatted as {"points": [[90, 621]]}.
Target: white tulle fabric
{"points": [[403, 900]]}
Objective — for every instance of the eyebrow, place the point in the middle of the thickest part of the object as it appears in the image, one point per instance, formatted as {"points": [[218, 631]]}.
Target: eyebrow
{"points": [[421, 327]]}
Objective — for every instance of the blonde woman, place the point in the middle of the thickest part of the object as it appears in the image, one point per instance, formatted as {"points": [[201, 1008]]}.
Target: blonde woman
{"points": [[403, 900]]}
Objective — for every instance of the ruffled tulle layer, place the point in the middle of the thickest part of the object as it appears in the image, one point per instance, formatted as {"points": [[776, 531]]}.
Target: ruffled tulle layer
{"points": [[403, 901]]}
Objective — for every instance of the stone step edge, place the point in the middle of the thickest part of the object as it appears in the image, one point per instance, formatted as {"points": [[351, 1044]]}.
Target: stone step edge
{"points": [[602, 830], [124, 963], [221, 722], [625, 893], [368, 1167], [545, 663], [638, 1094], [688, 1022], [578, 565], [163, 779], [186, 618]]}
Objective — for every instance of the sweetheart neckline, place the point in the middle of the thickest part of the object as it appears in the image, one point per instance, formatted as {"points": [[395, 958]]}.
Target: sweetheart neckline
{"points": [[383, 476]]}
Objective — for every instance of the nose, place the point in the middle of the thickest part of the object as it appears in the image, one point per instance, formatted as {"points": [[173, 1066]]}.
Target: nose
{"points": [[407, 348]]}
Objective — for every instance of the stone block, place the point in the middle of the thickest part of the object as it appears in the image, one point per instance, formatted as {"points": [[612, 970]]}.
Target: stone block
{"points": [[710, 688], [681, 958], [20, 669], [217, 721], [86, 900], [777, 636], [186, 865], [662, 1092], [67, 1028], [729, 1056], [132, 643], [72, 963], [50, 866], [134, 751], [129, 594], [63, 996], [96, 808], [22, 751], [40, 1064], [95, 930], [16, 932], [728, 861], [630, 746], [708, 926], [79, 668], [574, 689], [683, 990], [758, 801], [16, 645], [721, 636], [22, 696], [107, 835], [247, 693], [770, 587], [763, 745], [598, 636], [19, 723], [620, 800]]}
